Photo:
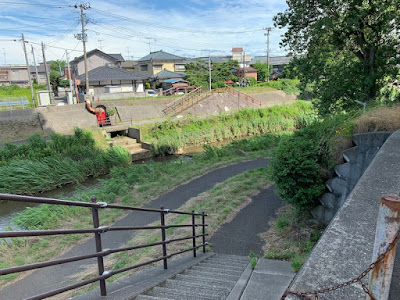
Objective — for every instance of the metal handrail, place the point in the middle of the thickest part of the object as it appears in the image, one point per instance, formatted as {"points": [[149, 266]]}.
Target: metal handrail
{"points": [[98, 230]]}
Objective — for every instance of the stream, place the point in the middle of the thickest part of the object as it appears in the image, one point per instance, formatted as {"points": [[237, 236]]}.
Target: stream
{"points": [[10, 208]]}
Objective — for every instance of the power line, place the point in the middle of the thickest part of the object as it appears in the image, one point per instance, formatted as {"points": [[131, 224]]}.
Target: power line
{"points": [[33, 4], [116, 16]]}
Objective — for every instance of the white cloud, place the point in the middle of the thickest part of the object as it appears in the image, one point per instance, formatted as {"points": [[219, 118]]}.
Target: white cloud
{"points": [[119, 34]]}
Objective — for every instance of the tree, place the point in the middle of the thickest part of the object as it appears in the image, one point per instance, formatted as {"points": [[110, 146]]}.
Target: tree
{"points": [[262, 70], [55, 75], [197, 73], [349, 48]]}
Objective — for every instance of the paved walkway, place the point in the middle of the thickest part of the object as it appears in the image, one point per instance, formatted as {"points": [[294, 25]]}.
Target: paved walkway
{"points": [[240, 236], [47, 279]]}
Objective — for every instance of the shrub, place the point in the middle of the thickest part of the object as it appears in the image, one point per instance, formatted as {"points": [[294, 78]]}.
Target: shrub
{"points": [[300, 163]]}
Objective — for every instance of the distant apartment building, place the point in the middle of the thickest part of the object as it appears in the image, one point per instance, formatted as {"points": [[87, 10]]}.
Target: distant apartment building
{"points": [[241, 57], [17, 74]]}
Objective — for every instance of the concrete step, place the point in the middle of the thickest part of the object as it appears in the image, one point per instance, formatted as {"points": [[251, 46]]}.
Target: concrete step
{"points": [[228, 266], [173, 283], [124, 141], [269, 280], [134, 147], [141, 154], [201, 289], [217, 270], [148, 297], [350, 155], [230, 259], [337, 186], [183, 294], [211, 275], [343, 170], [205, 280]]}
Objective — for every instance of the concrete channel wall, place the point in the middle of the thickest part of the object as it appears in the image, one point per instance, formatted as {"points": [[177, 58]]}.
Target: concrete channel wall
{"points": [[345, 249]]}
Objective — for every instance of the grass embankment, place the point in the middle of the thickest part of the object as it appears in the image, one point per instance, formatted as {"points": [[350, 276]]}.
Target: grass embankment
{"points": [[17, 91], [42, 165], [289, 86], [169, 136], [134, 185]]}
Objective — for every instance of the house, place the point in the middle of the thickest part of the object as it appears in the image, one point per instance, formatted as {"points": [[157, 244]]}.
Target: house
{"points": [[174, 83], [17, 74], [277, 62], [155, 62], [245, 72], [128, 65], [95, 58], [112, 79]]}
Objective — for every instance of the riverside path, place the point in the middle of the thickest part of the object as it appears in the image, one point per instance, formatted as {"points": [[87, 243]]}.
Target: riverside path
{"points": [[47, 279]]}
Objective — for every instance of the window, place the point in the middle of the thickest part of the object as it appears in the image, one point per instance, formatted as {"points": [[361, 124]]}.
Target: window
{"points": [[143, 67], [180, 67], [157, 67]]}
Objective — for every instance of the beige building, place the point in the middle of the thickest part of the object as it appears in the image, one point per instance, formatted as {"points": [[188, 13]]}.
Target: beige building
{"points": [[18, 75], [158, 61], [95, 59], [239, 55]]}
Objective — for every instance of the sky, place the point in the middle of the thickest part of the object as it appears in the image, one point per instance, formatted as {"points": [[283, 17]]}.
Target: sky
{"points": [[133, 28]]}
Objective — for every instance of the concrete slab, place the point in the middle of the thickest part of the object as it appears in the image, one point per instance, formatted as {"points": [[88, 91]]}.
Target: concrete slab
{"points": [[269, 280]]}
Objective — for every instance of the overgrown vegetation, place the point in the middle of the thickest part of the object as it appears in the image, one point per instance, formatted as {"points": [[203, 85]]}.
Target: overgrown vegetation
{"points": [[302, 160], [291, 238], [17, 91], [289, 86], [137, 185], [169, 136], [42, 165]]}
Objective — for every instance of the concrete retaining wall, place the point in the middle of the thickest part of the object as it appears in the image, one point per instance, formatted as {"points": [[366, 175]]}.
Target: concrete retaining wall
{"points": [[345, 249]]}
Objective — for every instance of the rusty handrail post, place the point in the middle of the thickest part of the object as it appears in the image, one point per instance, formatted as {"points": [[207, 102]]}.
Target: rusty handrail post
{"points": [[388, 226], [164, 246], [194, 233], [99, 248], [203, 220]]}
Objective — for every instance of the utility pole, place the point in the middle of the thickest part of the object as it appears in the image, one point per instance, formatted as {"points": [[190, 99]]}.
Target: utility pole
{"points": [[69, 77], [34, 62], [4, 53], [268, 29], [101, 47], [29, 71], [47, 72], [209, 69], [83, 38]]}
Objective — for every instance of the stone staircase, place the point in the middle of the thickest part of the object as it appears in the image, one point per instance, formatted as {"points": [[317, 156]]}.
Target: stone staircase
{"points": [[356, 161], [136, 149], [213, 278]]}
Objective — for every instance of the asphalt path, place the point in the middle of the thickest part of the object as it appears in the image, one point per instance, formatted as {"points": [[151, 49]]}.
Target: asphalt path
{"points": [[241, 235], [50, 278]]}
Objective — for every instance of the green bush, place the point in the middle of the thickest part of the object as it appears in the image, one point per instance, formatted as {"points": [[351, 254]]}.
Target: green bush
{"points": [[300, 163], [289, 86]]}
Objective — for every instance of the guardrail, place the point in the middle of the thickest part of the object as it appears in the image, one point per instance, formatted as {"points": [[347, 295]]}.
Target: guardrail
{"points": [[182, 103], [10, 102], [98, 230], [246, 97]]}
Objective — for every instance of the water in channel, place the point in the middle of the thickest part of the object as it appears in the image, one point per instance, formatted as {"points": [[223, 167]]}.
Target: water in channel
{"points": [[9, 208]]}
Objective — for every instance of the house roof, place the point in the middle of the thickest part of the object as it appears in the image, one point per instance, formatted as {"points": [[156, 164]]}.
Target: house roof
{"points": [[115, 57], [164, 74], [174, 80], [160, 56], [237, 49], [40, 69], [214, 59], [111, 73], [275, 61]]}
